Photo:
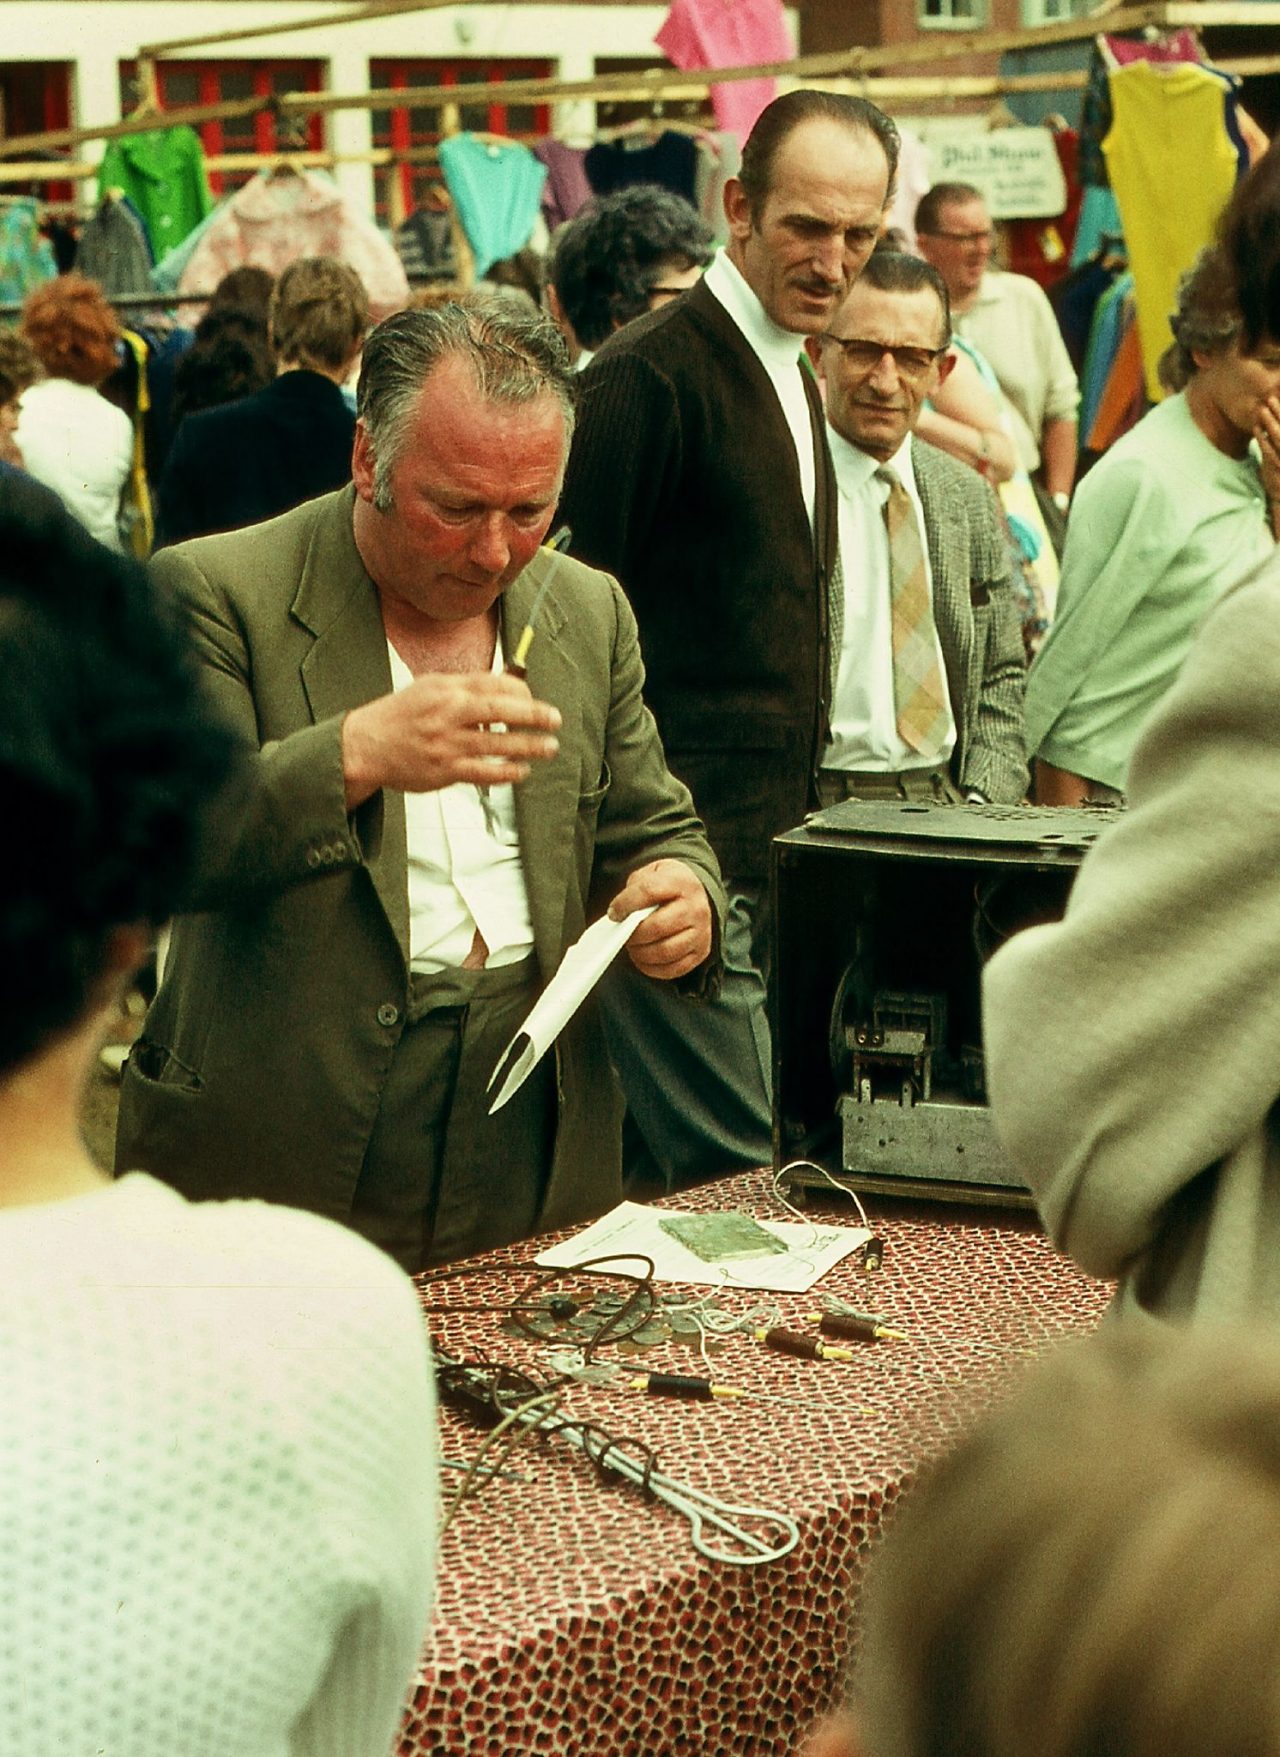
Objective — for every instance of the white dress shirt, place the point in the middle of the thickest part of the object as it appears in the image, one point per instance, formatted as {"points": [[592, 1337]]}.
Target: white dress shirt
{"points": [[464, 868], [778, 351], [864, 717]]}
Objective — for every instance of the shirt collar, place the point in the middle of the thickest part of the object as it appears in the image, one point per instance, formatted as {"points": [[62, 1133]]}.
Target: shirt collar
{"points": [[775, 347], [855, 468]]}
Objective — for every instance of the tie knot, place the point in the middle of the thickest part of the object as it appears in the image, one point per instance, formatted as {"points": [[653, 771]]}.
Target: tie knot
{"points": [[889, 477]]}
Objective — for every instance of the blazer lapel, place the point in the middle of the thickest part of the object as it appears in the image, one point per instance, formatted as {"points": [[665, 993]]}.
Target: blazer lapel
{"points": [[547, 802], [346, 667]]}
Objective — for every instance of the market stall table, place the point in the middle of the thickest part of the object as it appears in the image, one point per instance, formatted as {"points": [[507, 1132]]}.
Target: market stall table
{"points": [[575, 1617]]}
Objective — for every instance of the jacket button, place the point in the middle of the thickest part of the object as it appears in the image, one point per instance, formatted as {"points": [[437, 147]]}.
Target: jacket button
{"points": [[313, 857], [388, 1014]]}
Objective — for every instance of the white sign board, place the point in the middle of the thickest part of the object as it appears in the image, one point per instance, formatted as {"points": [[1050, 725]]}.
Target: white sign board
{"points": [[1017, 170]]}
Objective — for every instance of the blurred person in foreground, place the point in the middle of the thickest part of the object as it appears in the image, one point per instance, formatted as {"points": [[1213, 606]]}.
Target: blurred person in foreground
{"points": [[288, 442], [19, 369], [1146, 1119], [1092, 1572], [217, 1458], [70, 438], [620, 256], [426, 831]]}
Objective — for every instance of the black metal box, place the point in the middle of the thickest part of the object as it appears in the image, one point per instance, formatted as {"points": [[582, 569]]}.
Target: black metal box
{"points": [[884, 914]]}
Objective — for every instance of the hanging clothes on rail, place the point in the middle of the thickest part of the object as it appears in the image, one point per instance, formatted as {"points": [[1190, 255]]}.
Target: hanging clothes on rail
{"points": [[719, 158], [424, 243], [285, 213], [671, 161], [114, 249], [566, 189], [729, 33], [1173, 159], [496, 186], [26, 256], [162, 172]]}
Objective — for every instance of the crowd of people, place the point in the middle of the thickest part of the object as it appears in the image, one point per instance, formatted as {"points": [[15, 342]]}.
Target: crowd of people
{"points": [[379, 752]]}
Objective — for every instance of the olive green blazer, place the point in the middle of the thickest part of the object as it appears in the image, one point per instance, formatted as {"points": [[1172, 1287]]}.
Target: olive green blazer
{"points": [[263, 1057]]}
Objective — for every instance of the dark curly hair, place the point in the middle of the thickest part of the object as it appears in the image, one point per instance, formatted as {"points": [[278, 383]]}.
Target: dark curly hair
{"points": [[616, 249], [231, 357], [73, 329], [1249, 235], [108, 750]]}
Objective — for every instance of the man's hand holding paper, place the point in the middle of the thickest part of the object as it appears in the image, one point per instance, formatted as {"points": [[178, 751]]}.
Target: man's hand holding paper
{"points": [[677, 937]]}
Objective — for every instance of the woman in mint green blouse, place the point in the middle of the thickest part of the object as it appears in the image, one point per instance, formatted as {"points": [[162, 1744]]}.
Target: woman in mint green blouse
{"points": [[1180, 508]]}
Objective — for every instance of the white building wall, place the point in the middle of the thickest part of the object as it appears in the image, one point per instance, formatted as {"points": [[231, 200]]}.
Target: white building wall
{"points": [[96, 35]]}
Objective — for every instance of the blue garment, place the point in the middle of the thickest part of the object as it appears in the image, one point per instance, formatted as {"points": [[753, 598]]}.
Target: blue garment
{"points": [[168, 272], [26, 258], [1104, 339], [497, 190], [1099, 219]]}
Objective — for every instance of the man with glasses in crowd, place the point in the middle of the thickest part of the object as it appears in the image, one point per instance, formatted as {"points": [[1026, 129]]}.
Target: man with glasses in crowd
{"points": [[1010, 321], [930, 673]]}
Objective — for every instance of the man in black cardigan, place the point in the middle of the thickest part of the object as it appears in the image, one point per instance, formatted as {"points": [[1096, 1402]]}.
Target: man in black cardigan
{"points": [[700, 476]]}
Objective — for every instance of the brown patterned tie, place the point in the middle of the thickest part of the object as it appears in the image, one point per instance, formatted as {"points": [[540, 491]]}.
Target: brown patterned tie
{"points": [[919, 691]]}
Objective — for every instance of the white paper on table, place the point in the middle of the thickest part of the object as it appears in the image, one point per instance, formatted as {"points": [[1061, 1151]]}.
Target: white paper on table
{"points": [[632, 1228], [580, 969]]}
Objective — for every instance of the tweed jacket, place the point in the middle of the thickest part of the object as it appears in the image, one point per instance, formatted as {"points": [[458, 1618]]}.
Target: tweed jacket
{"points": [[683, 481], [262, 1061], [1133, 1049], [977, 623]]}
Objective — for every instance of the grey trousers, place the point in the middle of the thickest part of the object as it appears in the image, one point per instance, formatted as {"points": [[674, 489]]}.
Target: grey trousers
{"points": [[697, 1075], [441, 1177]]}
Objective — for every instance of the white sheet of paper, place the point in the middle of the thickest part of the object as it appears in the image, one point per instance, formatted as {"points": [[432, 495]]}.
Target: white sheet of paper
{"points": [[633, 1227], [580, 969]]}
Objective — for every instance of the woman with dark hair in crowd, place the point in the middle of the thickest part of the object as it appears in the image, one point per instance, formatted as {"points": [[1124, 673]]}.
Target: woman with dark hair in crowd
{"points": [[289, 440], [71, 438], [1176, 511], [217, 1457]]}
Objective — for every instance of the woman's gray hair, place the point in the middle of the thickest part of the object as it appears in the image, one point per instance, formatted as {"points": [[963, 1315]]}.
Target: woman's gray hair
{"points": [[516, 357], [1206, 319]]}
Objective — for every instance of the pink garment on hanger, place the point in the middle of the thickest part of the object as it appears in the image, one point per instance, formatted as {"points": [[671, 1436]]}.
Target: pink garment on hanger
{"points": [[729, 33], [915, 175], [1180, 45], [275, 219]]}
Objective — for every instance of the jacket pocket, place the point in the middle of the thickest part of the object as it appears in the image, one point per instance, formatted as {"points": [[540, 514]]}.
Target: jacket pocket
{"points": [[159, 1066]]}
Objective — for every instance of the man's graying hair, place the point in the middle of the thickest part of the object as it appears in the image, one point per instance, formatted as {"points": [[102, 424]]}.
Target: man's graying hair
{"points": [[515, 356]]}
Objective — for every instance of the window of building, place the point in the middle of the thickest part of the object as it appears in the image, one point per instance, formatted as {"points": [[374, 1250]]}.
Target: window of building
{"points": [[214, 82], [951, 14], [35, 96], [1052, 11], [400, 188]]}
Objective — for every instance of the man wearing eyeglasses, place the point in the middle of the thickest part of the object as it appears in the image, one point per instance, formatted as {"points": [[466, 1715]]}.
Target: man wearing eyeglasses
{"points": [[1008, 318], [929, 677]]}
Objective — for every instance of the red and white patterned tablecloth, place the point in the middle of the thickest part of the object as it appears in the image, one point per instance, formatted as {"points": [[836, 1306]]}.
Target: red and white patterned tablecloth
{"points": [[575, 1618]]}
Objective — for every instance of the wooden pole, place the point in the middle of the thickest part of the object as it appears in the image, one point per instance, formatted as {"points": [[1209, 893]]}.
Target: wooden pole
{"points": [[856, 63], [352, 15]]}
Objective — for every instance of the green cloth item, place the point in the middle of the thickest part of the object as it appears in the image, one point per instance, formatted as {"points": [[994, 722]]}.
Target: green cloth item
{"points": [[1159, 528], [162, 172]]}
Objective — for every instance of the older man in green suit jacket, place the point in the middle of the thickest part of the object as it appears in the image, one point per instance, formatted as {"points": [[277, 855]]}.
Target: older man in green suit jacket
{"points": [[328, 1019]]}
